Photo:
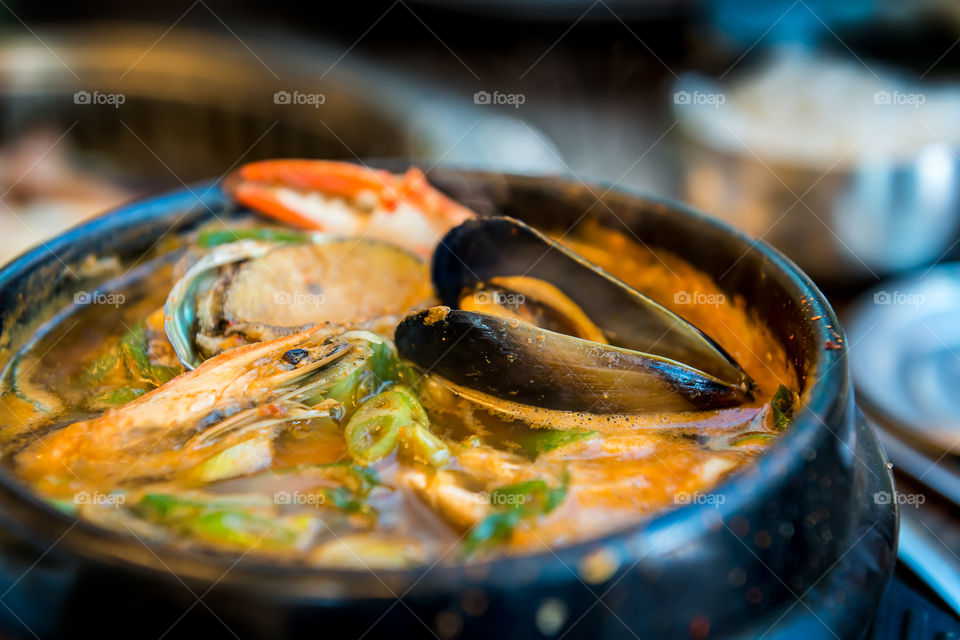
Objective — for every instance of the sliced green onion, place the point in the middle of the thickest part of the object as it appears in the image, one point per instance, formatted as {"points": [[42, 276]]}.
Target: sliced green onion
{"points": [[388, 418], [423, 442], [212, 238], [374, 430]]}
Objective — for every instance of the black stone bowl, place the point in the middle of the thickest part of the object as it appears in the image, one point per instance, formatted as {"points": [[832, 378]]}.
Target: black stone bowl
{"points": [[801, 544]]}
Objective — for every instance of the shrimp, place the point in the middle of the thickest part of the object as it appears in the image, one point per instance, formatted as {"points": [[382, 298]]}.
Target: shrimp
{"points": [[236, 399]]}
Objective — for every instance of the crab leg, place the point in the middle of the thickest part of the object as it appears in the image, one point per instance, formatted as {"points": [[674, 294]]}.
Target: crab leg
{"points": [[337, 178], [255, 185], [349, 199]]}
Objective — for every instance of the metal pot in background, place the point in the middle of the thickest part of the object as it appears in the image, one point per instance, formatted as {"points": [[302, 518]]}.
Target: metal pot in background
{"points": [[849, 166], [844, 225]]}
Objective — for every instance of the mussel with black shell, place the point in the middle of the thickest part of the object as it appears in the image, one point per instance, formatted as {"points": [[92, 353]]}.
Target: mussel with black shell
{"points": [[530, 322]]}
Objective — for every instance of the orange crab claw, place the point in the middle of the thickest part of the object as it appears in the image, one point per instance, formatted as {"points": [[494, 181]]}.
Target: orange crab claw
{"points": [[256, 185], [400, 207], [342, 179]]}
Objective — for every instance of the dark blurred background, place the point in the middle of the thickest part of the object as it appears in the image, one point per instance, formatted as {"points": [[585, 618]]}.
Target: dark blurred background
{"points": [[829, 129], [763, 113]]}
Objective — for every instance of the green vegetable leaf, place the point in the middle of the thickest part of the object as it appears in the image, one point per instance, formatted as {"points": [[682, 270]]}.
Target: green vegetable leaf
{"points": [[247, 530], [358, 479], [116, 397], [129, 361], [367, 478], [512, 504], [539, 441], [783, 404], [387, 367], [342, 498], [246, 523], [134, 352], [495, 528], [533, 497], [379, 371], [243, 458]]}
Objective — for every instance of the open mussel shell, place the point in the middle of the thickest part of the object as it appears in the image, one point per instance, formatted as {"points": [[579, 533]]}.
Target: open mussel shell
{"points": [[482, 249], [526, 364]]}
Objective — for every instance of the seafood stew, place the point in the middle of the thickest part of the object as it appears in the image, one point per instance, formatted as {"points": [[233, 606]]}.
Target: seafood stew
{"points": [[290, 386]]}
